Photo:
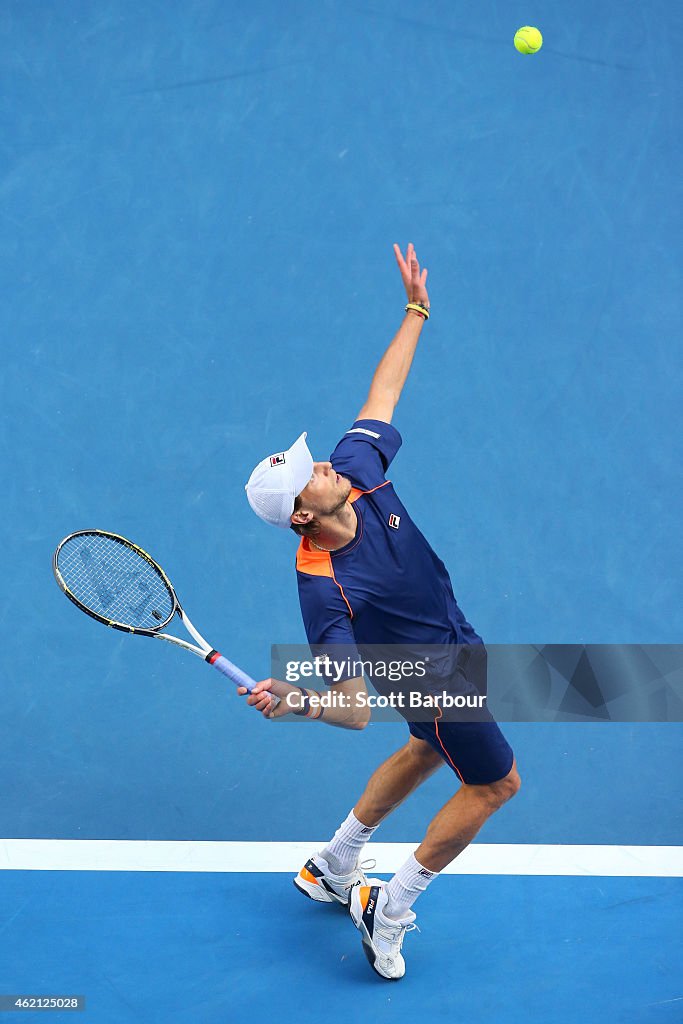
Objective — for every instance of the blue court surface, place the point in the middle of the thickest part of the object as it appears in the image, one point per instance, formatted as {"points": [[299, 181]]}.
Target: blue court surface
{"points": [[197, 206], [182, 947]]}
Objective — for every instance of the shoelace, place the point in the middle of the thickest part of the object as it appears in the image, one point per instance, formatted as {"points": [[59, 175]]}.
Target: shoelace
{"points": [[389, 931], [362, 867], [394, 934]]}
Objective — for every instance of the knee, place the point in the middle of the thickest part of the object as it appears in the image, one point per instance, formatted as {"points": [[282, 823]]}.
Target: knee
{"points": [[506, 788], [424, 757], [495, 794]]}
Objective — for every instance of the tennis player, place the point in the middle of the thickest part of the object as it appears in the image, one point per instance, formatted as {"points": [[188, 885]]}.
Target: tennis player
{"points": [[366, 575]]}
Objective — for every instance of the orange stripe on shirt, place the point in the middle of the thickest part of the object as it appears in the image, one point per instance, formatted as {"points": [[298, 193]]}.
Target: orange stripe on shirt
{"points": [[318, 563], [312, 561], [355, 493]]}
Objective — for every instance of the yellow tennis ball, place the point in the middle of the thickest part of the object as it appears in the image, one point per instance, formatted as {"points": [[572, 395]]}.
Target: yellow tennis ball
{"points": [[528, 39]]}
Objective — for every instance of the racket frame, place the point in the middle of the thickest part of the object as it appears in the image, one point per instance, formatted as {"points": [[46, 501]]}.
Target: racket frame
{"points": [[203, 649], [139, 630]]}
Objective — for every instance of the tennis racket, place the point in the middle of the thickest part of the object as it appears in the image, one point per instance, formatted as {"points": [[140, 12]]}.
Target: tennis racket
{"points": [[116, 582]]}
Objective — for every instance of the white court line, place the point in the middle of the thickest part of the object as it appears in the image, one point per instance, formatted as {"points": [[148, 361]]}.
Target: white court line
{"points": [[478, 859]]}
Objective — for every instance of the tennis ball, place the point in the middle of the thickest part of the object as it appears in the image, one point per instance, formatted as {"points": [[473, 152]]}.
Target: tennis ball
{"points": [[528, 39]]}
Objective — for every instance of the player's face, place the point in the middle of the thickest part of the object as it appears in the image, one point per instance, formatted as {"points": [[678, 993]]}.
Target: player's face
{"points": [[326, 491]]}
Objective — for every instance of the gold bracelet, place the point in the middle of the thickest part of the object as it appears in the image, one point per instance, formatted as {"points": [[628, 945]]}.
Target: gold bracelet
{"points": [[418, 307]]}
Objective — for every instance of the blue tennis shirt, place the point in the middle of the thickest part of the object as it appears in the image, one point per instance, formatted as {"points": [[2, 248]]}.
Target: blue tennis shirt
{"points": [[387, 585]]}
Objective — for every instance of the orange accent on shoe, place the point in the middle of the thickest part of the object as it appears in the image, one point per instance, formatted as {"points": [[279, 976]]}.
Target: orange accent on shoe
{"points": [[364, 895], [308, 877]]}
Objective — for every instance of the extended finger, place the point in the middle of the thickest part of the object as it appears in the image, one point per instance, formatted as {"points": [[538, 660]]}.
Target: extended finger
{"points": [[263, 686]]}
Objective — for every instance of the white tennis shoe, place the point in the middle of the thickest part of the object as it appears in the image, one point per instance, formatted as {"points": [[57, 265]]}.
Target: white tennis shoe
{"points": [[316, 881], [382, 936]]}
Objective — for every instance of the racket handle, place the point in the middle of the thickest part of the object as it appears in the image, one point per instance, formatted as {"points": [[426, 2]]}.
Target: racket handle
{"points": [[235, 674]]}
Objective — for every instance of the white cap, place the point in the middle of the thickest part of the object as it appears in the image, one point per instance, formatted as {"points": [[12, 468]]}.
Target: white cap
{"points": [[276, 482]]}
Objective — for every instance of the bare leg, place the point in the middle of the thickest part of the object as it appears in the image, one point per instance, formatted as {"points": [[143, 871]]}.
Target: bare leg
{"points": [[458, 821], [395, 779]]}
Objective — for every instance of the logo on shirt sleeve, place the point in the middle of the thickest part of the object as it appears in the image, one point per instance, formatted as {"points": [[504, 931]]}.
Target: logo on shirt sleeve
{"points": [[394, 521], [277, 460]]}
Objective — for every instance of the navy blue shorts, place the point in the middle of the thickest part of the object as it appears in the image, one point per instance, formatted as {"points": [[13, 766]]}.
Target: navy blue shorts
{"points": [[477, 752]]}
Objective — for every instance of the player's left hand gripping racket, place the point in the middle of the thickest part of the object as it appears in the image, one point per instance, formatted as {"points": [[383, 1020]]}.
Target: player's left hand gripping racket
{"points": [[119, 584]]}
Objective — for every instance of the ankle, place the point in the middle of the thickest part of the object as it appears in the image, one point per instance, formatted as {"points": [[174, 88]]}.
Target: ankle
{"points": [[338, 865]]}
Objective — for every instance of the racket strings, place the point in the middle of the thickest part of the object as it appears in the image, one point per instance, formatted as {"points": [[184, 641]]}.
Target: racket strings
{"points": [[115, 582]]}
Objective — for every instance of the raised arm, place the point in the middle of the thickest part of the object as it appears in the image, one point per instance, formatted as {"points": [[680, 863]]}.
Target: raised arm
{"points": [[390, 375]]}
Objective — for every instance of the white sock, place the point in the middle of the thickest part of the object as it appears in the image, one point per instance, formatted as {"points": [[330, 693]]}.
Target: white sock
{"points": [[409, 881], [343, 851]]}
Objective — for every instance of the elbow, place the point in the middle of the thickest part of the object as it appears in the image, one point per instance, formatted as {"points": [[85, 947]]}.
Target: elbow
{"points": [[360, 721]]}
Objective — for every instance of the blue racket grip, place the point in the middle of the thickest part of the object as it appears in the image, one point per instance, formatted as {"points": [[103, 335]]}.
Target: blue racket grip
{"points": [[235, 674]]}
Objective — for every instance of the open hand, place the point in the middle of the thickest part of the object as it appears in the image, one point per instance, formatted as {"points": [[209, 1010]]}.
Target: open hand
{"points": [[414, 279]]}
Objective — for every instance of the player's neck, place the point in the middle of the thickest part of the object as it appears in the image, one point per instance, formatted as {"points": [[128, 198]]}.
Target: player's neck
{"points": [[336, 531]]}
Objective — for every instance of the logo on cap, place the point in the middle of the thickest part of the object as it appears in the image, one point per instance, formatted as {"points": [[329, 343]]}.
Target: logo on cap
{"points": [[394, 521], [277, 460]]}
